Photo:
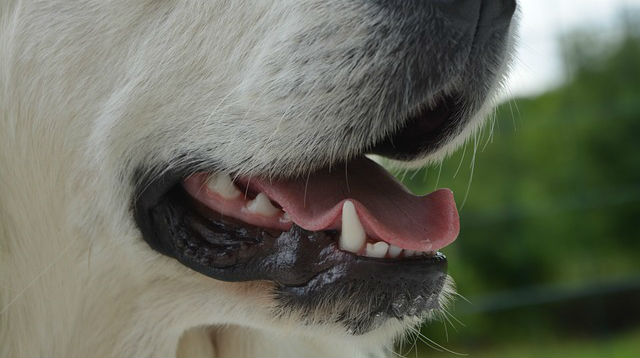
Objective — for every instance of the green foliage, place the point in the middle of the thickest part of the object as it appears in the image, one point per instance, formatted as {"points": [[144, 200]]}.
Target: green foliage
{"points": [[554, 196]]}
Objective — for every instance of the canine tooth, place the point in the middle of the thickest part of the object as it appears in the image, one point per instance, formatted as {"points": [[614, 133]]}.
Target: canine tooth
{"points": [[352, 236], [223, 185], [262, 205], [408, 253], [379, 249], [394, 251]]}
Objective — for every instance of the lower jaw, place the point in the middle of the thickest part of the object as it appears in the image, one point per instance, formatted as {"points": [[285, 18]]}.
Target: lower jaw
{"points": [[311, 274]]}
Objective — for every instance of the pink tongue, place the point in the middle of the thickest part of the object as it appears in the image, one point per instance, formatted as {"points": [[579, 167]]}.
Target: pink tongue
{"points": [[386, 209]]}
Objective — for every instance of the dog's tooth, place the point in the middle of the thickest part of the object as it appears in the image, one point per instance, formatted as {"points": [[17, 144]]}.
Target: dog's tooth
{"points": [[394, 251], [352, 236], [223, 185], [262, 205], [408, 253], [379, 249], [285, 218]]}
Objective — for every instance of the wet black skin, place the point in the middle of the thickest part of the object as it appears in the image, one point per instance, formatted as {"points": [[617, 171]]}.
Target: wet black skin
{"points": [[306, 267]]}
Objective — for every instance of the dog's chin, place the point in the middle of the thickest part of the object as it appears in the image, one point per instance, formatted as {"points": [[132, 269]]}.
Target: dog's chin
{"points": [[319, 277]]}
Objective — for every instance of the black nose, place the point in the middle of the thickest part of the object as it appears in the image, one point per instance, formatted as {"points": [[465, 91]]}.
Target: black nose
{"points": [[485, 16], [439, 38], [495, 17]]}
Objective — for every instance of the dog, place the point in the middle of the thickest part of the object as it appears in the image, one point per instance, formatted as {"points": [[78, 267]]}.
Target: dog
{"points": [[196, 178]]}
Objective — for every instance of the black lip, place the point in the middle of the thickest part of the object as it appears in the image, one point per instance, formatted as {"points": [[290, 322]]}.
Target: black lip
{"points": [[307, 268]]}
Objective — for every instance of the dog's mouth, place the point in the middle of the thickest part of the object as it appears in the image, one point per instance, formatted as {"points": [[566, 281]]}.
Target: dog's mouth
{"points": [[352, 236], [371, 212]]}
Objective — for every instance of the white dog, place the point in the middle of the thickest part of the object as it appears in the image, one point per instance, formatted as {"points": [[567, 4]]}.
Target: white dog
{"points": [[188, 177]]}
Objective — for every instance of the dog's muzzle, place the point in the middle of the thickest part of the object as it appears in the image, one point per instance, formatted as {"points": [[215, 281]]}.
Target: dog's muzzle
{"points": [[347, 240]]}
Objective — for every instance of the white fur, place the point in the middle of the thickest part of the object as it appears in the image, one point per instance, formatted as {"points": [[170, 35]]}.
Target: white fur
{"points": [[90, 90]]}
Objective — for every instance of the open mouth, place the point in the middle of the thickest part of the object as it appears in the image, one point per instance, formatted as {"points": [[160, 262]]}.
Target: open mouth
{"points": [[351, 233], [373, 214]]}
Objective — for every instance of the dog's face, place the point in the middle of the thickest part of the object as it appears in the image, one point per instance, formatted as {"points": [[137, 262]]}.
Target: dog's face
{"points": [[229, 139]]}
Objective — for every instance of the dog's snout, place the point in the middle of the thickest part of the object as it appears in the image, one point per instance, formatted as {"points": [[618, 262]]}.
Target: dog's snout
{"points": [[438, 41], [457, 46], [462, 14]]}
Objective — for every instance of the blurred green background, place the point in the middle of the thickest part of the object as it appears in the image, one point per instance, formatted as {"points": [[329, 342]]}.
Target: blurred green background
{"points": [[549, 195]]}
